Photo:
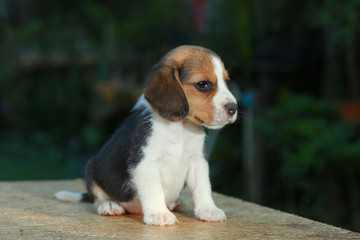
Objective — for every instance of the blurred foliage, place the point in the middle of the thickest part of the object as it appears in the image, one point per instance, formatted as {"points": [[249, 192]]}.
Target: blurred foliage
{"points": [[340, 24], [75, 68], [38, 157], [340, 19], [316, 159], [224, 160]]}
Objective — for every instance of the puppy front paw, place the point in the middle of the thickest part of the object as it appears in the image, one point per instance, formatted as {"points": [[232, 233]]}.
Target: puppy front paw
{"points": [[160, 219], [109, 208], [210, 214]]}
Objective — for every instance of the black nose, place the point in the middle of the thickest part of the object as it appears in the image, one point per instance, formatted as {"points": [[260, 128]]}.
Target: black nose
{"points": [[231, 108]]}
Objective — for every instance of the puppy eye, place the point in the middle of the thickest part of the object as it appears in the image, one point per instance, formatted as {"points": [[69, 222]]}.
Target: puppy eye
{"points": [[203, 86]]}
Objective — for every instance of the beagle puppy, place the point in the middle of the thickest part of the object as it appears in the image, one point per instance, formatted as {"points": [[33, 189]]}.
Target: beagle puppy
{"points": [[159, 148]]}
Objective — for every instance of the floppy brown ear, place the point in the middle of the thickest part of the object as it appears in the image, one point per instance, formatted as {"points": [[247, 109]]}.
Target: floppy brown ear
{"points": [[164, 93]]}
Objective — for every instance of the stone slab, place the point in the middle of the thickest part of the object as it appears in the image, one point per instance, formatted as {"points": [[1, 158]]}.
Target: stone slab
{"points": [[28, 210]]}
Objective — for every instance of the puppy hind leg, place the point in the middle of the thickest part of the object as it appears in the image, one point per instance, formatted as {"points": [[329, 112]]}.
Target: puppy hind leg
{"points": [[106, 205], [110, 208]]}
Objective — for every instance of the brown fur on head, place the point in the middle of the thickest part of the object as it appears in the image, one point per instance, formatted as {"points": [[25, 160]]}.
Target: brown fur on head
{"points": [[171, 87]]}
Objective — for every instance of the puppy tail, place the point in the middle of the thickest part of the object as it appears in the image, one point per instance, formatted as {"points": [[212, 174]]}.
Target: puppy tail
{"points": [[74, 197]]}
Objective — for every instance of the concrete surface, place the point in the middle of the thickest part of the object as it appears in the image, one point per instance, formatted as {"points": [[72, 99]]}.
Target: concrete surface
{"points": [[28, 210]]}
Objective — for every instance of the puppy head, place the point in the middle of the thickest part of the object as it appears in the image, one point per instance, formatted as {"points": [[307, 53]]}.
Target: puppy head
{"points": [[190, 82]]}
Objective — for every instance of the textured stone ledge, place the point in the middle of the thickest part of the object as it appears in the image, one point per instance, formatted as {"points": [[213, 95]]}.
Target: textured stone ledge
{"points": [[28, 210]]}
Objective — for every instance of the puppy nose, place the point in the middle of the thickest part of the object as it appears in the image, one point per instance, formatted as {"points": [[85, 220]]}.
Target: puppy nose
{"points": [[231, 108]]}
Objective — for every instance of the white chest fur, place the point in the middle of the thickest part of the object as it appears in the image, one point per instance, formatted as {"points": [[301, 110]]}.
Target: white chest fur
{"points": [[172, 156], [169, 151]]}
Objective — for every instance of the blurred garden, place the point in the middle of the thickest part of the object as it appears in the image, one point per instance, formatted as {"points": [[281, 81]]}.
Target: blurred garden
{"points": [[70, 72]]}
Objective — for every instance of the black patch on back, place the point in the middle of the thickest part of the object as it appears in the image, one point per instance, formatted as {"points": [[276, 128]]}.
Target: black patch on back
{"points": [[110, 167]]}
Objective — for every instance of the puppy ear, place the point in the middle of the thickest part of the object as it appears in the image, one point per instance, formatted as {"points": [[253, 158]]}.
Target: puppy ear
{"points": [[164, 93]]}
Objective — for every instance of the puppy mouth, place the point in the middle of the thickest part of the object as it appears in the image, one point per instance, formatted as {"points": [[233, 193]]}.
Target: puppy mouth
{"points": [[199, 120], [223, 118], [215, 126], [218, 123], [233, 118]]}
